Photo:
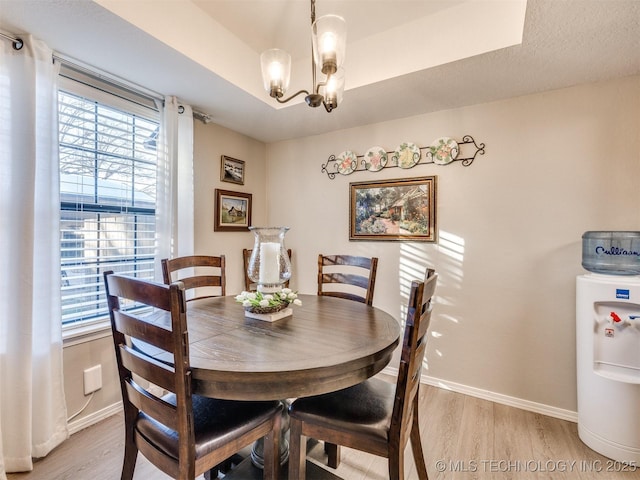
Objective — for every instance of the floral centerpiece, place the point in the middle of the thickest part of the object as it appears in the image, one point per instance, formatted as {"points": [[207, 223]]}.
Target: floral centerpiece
{"points": [[264, 303]]}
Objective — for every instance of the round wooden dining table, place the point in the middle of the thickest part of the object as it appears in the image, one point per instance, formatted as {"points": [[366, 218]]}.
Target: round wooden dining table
{"points": [[327, 344]]}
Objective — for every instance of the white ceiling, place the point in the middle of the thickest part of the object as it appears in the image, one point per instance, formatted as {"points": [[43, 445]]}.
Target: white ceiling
{"points": [[404, 57]]}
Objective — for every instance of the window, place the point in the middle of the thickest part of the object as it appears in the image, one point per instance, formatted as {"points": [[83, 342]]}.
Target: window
{"points": [[108, 169]]}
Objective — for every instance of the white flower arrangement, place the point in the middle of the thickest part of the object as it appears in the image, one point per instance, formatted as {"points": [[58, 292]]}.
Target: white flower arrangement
{"points": [[258, 301]]}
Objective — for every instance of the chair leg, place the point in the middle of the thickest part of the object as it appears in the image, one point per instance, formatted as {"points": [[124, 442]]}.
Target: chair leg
{"points": [[416, 445], [130, 456], [396, 463], [333, 452], [418, 456], [297, 454], [211, 474], [271, 451]]}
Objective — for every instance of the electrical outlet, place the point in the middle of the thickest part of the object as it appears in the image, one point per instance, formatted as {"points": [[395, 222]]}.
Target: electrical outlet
{"points": [[92, 379]]}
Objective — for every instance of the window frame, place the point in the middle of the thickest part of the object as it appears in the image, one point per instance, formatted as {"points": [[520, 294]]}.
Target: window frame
{"points": [[108, 95]]}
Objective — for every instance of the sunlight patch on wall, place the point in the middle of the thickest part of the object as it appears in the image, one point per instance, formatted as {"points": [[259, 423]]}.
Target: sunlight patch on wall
{"points": [[413, 265], [452, 247], [447, 258], [445, 316], [414, 261]]}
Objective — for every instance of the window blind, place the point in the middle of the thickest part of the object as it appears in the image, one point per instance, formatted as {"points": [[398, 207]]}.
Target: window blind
{"points": [[108, 166]]}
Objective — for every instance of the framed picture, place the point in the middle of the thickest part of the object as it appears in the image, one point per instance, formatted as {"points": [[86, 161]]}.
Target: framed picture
{"points": [[402, 209], [231, 170], [232, 211]]}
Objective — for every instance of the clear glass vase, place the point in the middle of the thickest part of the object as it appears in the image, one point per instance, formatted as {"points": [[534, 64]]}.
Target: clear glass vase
{"points": [[269, 264]]}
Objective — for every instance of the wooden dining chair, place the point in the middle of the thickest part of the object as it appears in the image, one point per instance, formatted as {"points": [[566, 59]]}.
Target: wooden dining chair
{"points": [[250, 285], [351, 277], [196, 272], [182, 434], [347, 276], [374, 416]]}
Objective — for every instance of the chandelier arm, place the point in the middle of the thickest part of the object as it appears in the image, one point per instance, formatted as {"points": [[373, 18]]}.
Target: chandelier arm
{"points": [[292, 96], [322, 84]]}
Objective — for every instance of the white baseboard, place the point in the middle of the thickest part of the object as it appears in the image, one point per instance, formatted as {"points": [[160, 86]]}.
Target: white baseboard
{"points": [[528, 405], [495, 397], [94, 417]]}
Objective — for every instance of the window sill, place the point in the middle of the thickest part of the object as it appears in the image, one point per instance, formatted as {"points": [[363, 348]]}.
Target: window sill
{"points": [[77, 334]]}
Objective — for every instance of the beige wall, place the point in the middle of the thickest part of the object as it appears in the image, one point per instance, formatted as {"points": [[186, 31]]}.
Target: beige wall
{"points": [[556, 164], [212, 141], [78, 356]]}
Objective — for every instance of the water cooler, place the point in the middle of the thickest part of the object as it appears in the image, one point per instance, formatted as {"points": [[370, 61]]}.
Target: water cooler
{"points": [[608, 345]]}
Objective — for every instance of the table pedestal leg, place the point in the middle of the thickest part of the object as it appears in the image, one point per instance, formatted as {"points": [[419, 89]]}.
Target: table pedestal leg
{"points": [[257, 451]]}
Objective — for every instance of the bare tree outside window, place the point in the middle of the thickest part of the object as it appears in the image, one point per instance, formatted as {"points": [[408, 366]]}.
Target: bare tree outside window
{"points": [[108, 192]]}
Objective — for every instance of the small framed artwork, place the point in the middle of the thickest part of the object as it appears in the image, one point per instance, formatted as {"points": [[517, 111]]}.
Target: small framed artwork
{"points": [[231, 170], [232, 211], [396, 210]]}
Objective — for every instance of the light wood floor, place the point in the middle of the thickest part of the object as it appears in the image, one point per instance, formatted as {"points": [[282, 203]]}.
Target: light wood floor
{"points": [[463, 438]]}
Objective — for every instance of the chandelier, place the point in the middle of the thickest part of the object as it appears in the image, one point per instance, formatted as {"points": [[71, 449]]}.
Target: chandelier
{"points": [[328, 40]]}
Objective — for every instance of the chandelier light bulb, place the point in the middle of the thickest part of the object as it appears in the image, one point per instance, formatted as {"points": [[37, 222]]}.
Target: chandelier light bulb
{"points": [[327, 47], [332, 86], [334, 89], [276, 71], [329, 36]]}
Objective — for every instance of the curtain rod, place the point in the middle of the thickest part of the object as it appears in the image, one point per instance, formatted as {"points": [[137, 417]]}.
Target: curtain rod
{"points": [[17, 42], [203, 117], [198, 115], [121, 83], [106, 77]]}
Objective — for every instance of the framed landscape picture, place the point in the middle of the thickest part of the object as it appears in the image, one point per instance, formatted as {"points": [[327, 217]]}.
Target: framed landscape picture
{"points": [[231, 170], [232, 211], [402, 209]]}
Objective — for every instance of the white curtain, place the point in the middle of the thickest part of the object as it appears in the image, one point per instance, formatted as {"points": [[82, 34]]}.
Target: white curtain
{"points": [[32, 406], [174, 212]]}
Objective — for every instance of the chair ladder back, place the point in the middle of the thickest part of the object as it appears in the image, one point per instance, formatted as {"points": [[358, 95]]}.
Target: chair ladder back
{"points": [[131, 325], [152, 370], [427, 295], [127, 327], [148, 293], [349, 296], [348, 278], [198, 281], [350, 260], [171, 268], [413, 351], [152, 405], [180, 263], [351, 278]]}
